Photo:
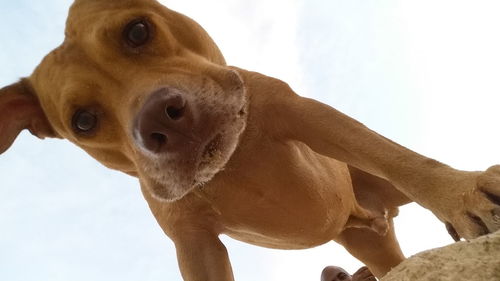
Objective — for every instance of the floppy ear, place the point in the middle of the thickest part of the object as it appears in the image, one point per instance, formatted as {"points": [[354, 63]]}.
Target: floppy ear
{"points": [[19, 110]]}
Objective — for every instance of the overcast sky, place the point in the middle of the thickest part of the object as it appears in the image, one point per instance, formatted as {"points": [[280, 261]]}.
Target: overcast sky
{"points": [[424, 73]]}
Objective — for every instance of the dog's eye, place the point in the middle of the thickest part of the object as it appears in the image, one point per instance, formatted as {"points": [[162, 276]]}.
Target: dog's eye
{"points": [[84, 121], [137, 33]]}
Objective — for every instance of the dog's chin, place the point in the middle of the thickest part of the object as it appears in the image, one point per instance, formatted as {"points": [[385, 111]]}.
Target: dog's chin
{"points": [[170, 178]]}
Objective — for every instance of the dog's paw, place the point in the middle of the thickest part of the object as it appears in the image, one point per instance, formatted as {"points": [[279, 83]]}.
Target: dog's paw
{"points": [[480, 213]]}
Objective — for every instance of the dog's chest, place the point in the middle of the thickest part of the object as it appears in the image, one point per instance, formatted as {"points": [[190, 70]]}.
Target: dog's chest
{"points": [[282, 195]]}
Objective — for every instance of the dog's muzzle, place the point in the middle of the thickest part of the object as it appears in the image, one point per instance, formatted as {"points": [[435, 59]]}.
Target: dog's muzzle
{"points": [[164, 123], [185, 134]]}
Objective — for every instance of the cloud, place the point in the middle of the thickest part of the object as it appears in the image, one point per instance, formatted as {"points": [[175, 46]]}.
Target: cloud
{"points": [[256, 35], [423, 73]]}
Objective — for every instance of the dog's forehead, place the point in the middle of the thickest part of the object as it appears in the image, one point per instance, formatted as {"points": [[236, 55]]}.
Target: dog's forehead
{"points": [[61, 66], [93, 50], [88, 12], [87, 5], [86, 51]]}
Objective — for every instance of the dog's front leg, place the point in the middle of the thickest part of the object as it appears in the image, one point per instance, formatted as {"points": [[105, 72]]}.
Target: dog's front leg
{"points": [[202, 256], [469, 201], [192, 225]]}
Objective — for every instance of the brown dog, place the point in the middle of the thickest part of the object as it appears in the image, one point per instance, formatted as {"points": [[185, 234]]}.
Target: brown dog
{"points": [[218, 149]]}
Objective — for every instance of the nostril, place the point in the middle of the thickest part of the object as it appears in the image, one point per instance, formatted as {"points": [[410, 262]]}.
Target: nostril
{"points": [[174, 113], [159, 140]]}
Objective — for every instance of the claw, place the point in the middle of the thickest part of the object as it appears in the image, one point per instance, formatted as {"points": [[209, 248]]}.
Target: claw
{"points": [[495, 199], [484, 229], [453, 233], [496, 214]]}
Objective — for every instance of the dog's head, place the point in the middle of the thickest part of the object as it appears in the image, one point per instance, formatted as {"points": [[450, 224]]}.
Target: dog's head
{"points": [[141, 88]]}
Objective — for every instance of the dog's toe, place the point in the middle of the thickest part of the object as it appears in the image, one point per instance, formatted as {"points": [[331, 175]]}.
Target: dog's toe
{"points": [[495, 199], [363, 274], [485, 202], [452, 231]]}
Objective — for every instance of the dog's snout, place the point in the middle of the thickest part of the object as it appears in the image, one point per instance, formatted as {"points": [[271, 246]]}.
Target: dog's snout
{"points": [[164, 122]]}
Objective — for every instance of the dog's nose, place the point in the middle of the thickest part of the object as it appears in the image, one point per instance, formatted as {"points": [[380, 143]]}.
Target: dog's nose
{"points": [[164, 122]]}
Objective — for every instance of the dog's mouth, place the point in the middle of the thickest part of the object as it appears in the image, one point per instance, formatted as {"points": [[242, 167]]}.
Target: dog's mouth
{"points": [[174, 177], [213, 158], [212, 148]]}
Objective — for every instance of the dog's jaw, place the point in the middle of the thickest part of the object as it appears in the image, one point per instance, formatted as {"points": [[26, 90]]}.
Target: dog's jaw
{"points": [[168, 179]]}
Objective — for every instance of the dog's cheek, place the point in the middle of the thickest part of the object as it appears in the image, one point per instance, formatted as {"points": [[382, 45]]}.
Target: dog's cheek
{"points": [[115, 159]]}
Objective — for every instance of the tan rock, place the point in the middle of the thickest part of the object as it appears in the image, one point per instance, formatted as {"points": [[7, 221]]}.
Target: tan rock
{"points": [[475, 260]]}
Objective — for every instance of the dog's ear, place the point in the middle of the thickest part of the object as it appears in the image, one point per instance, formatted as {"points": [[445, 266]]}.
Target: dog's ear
{"points": [[19, 110]]}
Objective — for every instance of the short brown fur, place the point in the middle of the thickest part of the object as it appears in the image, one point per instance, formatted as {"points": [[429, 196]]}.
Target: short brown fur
{"points": [[292, 173]]}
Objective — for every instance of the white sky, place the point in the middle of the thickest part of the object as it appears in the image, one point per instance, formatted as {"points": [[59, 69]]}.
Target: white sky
{"points": [[424, 73]]}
